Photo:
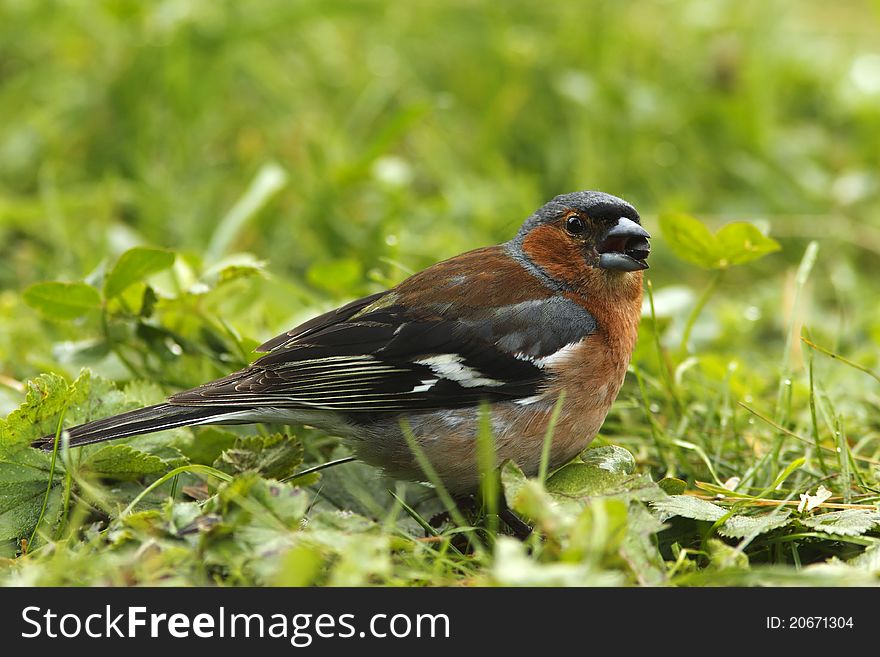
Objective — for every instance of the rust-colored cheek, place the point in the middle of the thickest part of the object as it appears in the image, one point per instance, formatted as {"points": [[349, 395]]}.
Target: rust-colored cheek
{"points": [[556, 253]]}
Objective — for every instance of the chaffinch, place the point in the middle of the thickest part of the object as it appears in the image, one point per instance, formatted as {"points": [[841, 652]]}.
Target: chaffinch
{"points": [[554, 309]]}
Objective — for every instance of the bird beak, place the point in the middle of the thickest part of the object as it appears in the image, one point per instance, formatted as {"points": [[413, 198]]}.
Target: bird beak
{"points": [[625, 247]]}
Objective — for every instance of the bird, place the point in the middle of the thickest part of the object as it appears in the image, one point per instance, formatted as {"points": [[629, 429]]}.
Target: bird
{"points": [[552, 313]]}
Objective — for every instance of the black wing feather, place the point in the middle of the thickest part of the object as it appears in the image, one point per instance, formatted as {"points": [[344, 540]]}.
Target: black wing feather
{"points": [[320, 322], [364, 360]]}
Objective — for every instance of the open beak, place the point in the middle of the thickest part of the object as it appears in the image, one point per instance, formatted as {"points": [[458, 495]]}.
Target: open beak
{"points": [[625, 247]]}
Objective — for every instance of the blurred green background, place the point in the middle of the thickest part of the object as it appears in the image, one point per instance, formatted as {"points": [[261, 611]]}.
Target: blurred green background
{"points": [[297, 154], [377, 137]]}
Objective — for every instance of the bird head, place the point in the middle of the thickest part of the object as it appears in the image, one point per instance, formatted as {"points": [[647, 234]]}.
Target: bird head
{"points": [[576, 235]]}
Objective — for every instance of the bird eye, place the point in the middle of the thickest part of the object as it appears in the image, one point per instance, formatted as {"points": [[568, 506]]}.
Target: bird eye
{"points": [[574, 225]]}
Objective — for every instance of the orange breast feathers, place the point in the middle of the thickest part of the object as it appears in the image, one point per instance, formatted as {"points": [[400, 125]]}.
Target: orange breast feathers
{"points": [[592, 371]]}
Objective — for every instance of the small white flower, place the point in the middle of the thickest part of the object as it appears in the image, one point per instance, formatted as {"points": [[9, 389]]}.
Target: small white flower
{"points": [[731, 483], [803, 502], [809, 502]]}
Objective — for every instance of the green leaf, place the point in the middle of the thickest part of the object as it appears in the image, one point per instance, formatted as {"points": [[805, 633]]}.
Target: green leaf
{"points": [[93, 397], [361, 551], [513, 566], [742, 526], [639, 548], [689, 239], [335, 525], [734, 244], [274, 457], [57, 300], [672, 485], [207, 446], [261, 512], [533, 502], [582, 480], [23, 480], [123, 462], [868, 560], [741, 242], [144, 393], [598, 530], [512, 481], [734, 527], [46, 396], [20, 507], [356, 486], [579, 479], [610, 458], [687, 506], [24, 472], [849, 522], [88, 398], [233, 267], [722, 556], [299, 567], [133, 266], [529, 498]]}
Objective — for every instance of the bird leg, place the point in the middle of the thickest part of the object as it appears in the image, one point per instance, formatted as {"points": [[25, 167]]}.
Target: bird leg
{"points": [[520, 528], [469, 504]]}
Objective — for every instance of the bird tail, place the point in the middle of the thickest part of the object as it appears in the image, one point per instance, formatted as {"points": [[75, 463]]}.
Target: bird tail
{"points": [[134, 423]]}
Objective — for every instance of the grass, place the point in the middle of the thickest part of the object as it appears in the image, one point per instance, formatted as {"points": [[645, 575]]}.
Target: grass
{"points": [[295, 157]]}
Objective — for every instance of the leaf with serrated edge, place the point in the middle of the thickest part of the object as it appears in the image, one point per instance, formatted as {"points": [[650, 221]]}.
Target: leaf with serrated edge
{"points": [[742, 526], [262, 512], [688, 507], [24, 472], [123, 462], [848, 522], [274, 457], [639, 548], [46, 397], [94, 397]]}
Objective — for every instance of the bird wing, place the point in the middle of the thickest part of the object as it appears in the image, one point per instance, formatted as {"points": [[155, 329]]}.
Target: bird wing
{"points": [[380, 354]]}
